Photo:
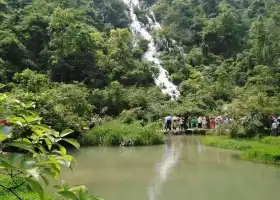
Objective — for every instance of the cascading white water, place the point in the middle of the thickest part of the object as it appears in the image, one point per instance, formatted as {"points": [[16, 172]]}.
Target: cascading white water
{"points": [[163, 78]]}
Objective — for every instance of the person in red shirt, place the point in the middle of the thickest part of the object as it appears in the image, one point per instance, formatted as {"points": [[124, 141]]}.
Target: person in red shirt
{"points": [[212, 123]]}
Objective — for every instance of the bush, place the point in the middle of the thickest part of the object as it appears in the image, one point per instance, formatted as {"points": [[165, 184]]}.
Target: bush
{"points": [[115, 133], [221, 129]]}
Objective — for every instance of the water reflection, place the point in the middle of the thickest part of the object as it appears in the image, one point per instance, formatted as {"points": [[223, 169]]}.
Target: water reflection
{"points": [[164, 167]]}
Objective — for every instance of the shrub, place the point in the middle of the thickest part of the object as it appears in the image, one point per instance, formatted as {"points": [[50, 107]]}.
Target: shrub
{"points": [[115, 133], [127, 116]]}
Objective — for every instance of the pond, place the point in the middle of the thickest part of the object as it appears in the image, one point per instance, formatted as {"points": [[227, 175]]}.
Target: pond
{"points": [[182, 169]]}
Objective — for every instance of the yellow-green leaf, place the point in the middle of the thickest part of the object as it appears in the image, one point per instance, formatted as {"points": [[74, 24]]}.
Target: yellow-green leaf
{"points": [[73, 142], [22, 145], [66, 132], [68, 195], [49, 143], [62, 149]]}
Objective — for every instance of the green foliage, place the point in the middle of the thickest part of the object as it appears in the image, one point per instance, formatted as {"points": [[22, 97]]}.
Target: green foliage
{"points": [[35, 154], [231, 65], [115, 133]]}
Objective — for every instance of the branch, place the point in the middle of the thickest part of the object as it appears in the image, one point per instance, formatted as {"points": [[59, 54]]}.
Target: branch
{"points": [[14, 193], [16, 184], [10, 190]]}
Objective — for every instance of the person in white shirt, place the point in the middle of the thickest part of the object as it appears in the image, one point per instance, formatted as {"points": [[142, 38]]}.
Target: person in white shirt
{"points": [[199, 122], [274, 127]]}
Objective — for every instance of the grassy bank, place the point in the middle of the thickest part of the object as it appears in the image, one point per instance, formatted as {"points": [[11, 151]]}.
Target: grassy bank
{"points": [[115, 133], [266, 149]]}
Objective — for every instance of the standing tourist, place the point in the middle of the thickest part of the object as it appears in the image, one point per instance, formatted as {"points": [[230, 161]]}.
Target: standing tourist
{"points": [[168, 123], [182, 121], [212, 123], [274, 127], [204, 123], [193, 123], [199, 122]]}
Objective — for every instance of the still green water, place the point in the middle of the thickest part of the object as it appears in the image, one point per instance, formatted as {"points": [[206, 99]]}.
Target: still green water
{"points": [[182, 169]]}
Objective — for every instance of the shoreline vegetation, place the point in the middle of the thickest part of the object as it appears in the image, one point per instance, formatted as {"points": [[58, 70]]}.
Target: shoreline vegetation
{"points": [[116, 133], [266, 149]]}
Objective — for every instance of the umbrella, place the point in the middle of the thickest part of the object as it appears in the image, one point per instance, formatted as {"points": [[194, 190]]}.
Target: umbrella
{"points": [[168, 118]]}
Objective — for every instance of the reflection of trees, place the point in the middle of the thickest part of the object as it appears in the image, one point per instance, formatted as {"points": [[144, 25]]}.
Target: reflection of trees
{"points": [[163, 168]]}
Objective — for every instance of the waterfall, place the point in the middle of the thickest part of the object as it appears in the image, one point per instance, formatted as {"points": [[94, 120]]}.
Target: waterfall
{"points": [[181, 50], [138, 29]]}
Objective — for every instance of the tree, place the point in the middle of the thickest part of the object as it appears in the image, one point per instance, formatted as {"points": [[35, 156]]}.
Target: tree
{"points": [[35, 153]]}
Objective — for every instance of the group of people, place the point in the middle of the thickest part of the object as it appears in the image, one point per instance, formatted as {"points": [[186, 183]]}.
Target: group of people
{"points": [[175, 122], [209, 122]]}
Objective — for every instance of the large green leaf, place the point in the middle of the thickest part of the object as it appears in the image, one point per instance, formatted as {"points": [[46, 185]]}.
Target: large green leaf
{"points": [[30, 119], [83, 193], [41, 148], [62, 149], [38, 132], [49, 143], [36, 186], [68, 195], [16, 120], [66, 132], [23, 145], [73, 142]]}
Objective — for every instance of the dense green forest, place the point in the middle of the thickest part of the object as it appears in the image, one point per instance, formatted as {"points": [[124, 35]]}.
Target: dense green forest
{"points": [[77, 58]]}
